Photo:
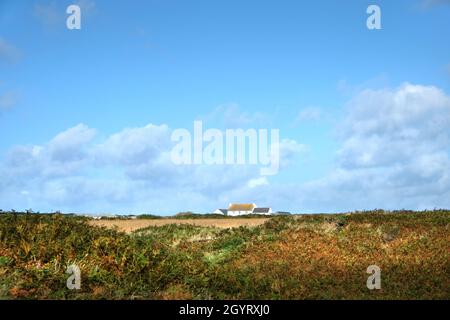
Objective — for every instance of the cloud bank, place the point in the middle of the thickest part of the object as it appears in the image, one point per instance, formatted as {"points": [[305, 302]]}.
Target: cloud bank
{"points": [[394, 153], [127, 172]]}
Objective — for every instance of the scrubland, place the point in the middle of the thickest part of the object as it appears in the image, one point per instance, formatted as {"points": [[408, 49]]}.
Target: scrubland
{"points": [[284, 257]]}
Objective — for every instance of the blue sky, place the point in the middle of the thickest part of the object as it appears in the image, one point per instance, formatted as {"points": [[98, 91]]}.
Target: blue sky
{"points": [[86, 115]]}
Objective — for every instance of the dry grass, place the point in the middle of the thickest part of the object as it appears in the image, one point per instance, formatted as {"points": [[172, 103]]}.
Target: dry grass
{"points": [[312, 257], [133, 225]]}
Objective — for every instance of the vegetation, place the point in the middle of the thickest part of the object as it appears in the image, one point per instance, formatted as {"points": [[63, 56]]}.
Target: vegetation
{"points": [[288, 257]]}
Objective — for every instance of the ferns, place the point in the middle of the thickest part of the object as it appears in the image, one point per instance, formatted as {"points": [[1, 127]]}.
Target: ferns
{"points": [[289, 257]]}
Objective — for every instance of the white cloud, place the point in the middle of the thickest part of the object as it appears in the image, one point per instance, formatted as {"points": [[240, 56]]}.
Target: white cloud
{"points": [[386, 127], [262, 181], [289, 149], [134, 145], [66, 154], [395, 147], [128, 171], [394, 154], [70, 145]]}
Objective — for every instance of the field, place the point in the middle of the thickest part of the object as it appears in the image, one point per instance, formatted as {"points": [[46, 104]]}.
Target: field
{"points": [[133, 225], [283, 257]]}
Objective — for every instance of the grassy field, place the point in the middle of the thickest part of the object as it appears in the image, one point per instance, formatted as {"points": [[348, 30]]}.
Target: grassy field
{"points": [[284, 257], [133, 225]]}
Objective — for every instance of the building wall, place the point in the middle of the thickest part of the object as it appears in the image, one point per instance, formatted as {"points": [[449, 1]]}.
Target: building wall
{"points": [[265, 213], [238, 213]]}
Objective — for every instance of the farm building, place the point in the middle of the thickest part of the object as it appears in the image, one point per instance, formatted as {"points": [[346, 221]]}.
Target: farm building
{"points": [[240, 209], [221, 211], [266, 211], [236, 209]]}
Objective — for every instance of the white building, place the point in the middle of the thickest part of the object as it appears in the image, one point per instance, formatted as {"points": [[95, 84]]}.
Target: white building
{"points": [[236, 209], [221, 211], [241, 209]]}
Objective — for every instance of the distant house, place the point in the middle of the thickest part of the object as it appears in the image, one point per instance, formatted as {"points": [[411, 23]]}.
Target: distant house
{"points": [[266, 211], [240, 209], [281, 213], [237, 209], [221, 211]]}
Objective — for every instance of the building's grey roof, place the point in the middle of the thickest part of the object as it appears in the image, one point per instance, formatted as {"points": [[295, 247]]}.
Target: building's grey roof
{"points": [[224, 211], [261, 210]]}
